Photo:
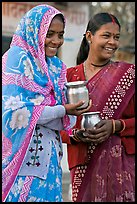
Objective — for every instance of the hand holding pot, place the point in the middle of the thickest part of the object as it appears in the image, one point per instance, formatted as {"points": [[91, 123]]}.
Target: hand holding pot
{"points": [[72, 109], [100, 132]]}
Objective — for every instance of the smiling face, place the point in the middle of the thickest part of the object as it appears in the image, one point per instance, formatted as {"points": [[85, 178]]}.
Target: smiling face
{"points": [[104, 42], [54, 37]]}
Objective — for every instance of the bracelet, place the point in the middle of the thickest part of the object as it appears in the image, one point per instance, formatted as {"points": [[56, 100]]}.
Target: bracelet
{"points": [[123, 124], [113, 126], [75, 137], [74, 131]]}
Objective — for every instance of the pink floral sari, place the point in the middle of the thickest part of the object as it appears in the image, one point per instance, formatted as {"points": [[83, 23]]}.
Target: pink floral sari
{"points": [[109, 175]]}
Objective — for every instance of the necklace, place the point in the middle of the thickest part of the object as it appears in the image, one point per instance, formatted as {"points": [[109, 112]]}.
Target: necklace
{"points": [[96, 65]]}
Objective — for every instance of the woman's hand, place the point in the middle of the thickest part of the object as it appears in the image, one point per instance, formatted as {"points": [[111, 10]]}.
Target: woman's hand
{"points": [[71, 109], [80, 135], [100, 132]]}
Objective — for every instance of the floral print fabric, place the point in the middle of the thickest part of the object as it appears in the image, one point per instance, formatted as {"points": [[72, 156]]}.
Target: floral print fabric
{"points": [[27, 88], [49, 190]]}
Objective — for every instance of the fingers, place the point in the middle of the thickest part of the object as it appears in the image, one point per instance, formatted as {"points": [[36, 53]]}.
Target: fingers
{"points": [[72, 109], [89, 106], [90, 103], [81, 111], [78, 104], [85, 134], [86, 139]]}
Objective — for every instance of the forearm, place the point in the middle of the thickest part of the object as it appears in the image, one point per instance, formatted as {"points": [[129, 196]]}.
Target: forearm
{"points": [[51, 117], [51, 113]]}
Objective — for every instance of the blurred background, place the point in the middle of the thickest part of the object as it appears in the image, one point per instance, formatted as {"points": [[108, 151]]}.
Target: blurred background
{"points": [[77, 16]]}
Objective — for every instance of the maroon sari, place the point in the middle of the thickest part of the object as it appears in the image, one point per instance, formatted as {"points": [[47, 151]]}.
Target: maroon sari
{"points": [[109, 174]]}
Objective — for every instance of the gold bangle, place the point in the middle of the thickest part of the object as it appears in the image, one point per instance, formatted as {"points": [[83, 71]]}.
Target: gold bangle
{"points": [[123, 124], [113, 126], [75, 138]]}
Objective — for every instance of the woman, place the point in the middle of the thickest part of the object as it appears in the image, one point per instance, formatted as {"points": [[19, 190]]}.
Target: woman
{"points": [[102, 159], [35, 109]]}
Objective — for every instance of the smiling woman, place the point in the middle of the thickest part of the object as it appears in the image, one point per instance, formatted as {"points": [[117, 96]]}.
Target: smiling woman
{"points": [[102, 158], [34, 109], [54, 36]]}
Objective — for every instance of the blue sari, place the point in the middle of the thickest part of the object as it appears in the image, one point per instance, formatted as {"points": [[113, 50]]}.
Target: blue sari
{"points": [[29, 84], [48, 190]]}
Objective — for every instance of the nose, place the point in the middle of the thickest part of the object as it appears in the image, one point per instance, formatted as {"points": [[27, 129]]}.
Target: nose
{"points": [[112, 40], [56, 40]]}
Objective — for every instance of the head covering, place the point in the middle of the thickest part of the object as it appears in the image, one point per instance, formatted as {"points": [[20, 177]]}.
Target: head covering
{"points": [[30, 82]]}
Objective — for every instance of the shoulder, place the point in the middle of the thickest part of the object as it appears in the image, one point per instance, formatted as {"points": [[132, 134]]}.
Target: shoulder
{"points": [[14, 56], [73, 71], [124, 64], [15, 51], [125, 67], [77, 67]]}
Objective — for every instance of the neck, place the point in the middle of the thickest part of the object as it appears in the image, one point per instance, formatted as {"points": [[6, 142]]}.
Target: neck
{"points": [[100, 65]]}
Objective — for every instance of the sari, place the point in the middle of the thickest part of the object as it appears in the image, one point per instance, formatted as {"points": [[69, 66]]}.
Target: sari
{"points": [[106, 172], [29, 83]]}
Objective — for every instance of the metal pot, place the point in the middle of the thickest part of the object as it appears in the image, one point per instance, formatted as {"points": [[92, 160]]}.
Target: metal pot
{"points": [[90, 119], [77, 91]]}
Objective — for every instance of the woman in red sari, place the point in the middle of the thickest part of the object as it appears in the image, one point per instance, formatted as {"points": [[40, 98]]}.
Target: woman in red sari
{"points": [[102, 160]]}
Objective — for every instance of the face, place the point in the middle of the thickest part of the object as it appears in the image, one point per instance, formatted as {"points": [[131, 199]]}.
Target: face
{"points": [[54, 37], [105, 41]]}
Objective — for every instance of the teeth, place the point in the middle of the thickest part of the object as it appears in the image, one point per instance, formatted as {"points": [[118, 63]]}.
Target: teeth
{"points": [[109, 49], [52, 48]]}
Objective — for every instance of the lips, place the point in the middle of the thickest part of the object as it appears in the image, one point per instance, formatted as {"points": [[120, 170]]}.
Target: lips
{"points": [[52, 48], [109, 49]]}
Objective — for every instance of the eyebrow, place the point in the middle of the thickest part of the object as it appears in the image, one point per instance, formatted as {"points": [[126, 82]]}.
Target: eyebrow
{"points": [[52, 31], [110, 32]]}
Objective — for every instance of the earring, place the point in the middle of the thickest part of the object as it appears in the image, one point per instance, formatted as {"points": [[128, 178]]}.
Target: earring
{"points": [[89, 41]]}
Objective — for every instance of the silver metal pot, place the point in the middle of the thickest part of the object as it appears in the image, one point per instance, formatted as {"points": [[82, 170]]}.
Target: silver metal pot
{"points": [[77, 91], [90, 119]]}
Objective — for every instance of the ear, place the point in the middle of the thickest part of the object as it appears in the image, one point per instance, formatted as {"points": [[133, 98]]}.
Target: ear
{"points": [[89, 36]]}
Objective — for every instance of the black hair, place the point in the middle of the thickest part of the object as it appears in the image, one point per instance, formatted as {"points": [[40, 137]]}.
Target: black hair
{"points": [[60, 17], [94, 25]]}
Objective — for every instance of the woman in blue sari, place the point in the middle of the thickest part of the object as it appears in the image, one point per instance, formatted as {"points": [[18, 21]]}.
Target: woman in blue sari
{"points": [[34, 109]]}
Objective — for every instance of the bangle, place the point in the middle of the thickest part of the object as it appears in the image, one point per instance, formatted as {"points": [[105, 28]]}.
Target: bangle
{"points": [[113, 126], [74, 131], [123, 124], [75, 137]]}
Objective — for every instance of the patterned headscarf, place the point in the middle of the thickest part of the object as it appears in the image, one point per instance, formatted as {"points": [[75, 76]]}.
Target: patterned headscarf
{"points": [[30, 82]]}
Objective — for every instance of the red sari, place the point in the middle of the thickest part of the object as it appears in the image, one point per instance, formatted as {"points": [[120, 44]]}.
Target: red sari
{"points": [[106, 173]]}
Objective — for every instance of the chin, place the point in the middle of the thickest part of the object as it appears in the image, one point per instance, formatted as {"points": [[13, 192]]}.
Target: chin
{"points": [[51, 54], [107, 57]]}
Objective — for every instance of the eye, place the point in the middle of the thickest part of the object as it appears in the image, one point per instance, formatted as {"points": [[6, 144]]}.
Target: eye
{"points": [[61, 35], [106, 35], [117, 37], [49, 34]]}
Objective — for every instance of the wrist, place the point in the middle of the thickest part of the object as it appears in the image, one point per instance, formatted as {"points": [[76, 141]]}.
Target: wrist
{"points": [[65, 108], [74, 136], [123, 125], [118, 126]]}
